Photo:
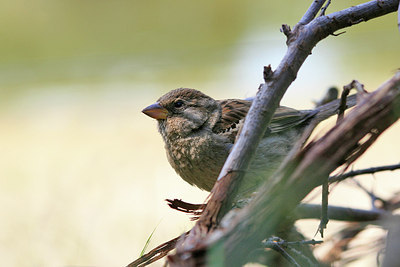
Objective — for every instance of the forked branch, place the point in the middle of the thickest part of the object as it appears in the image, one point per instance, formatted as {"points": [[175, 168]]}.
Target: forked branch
{"points": [[303, 38]]}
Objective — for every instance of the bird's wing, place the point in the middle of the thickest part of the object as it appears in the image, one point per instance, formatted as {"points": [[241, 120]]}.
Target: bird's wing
{"points": [[286, 118], [234, 111]]}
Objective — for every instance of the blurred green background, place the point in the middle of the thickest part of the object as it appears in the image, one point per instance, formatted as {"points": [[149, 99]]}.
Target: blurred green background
{"points": [[83, 174]]}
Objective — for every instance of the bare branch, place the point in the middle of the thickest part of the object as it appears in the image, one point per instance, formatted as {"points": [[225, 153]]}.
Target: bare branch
{"points": [[355, 85], [371, 119], [320, 158], [324, 209], [342, 145], [278, 248], [284, 247], [343, 103], [157, 253], [313, 211], [266, 102], [275, 200], [287, 32], [324, 8], [311, 12], [372, 170]]}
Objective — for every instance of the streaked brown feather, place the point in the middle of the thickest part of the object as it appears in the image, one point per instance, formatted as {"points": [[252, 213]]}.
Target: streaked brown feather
{"points": [[286, 118], [234, 111]]}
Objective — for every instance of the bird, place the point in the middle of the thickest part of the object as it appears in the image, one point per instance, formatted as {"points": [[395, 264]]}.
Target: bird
{"points": [[199, 133]]}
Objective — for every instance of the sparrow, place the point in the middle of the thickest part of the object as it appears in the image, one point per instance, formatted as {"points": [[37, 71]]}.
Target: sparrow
{"points": [[199, 132]]}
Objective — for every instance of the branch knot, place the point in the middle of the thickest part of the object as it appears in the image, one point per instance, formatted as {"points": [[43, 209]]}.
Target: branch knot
{"points": [[267, 73]]}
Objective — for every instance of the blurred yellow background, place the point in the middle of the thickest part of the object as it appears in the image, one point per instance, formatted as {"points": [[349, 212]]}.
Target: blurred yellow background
{"points": [[83, 173]]}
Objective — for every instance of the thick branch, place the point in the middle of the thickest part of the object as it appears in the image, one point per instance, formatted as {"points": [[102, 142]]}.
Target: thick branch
{"points": [[311, 12], [266, 102], [262, 217], [269, 209], [303, 39]]}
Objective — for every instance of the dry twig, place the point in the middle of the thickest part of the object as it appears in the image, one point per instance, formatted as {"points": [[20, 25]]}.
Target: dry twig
{"points": [[308, 33], [157, 253], [377, 112], [372, 170], [266, 212]]}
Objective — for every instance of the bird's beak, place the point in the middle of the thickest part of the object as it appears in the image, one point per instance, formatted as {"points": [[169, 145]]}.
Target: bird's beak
{"points": [[156, 111]]}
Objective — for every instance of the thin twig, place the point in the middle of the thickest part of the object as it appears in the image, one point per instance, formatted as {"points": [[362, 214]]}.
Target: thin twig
{"points": [[339, 33], [324, 8], [255, 125], [280, 245], [343, 104], [339, 178], [325, 186], [324, 210], [284, 243], [280, 250], [355, 85], [274, 201], [334, 104], [157, 253], [311, 12], [313, 211], [346, 90]]}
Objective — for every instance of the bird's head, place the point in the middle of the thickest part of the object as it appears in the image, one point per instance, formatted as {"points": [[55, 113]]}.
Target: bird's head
{"points": [[183, 112]]}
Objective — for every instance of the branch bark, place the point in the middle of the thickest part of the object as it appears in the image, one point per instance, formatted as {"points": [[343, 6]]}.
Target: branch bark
{"points": [[313, 211], [262, 217], [300, 42], [317, 160], [372, 170]]}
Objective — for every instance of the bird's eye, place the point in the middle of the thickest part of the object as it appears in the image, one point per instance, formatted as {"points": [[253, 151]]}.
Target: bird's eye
{"points": [[178, 103]]}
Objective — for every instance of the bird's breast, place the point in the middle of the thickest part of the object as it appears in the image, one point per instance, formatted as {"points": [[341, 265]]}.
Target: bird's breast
{"points": [[198, 159]]}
